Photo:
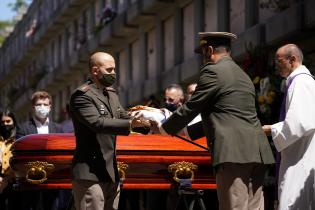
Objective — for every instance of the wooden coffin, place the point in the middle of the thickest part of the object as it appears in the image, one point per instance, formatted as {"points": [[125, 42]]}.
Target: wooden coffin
{"points": [[43, 161]]}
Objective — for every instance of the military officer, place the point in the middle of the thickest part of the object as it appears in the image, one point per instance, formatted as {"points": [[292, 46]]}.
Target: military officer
{"points": [[225, 97], [98, 117]]}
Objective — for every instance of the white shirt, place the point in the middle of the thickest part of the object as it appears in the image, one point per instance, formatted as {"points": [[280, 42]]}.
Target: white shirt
{"points": [[295, 139], [42, 128]]}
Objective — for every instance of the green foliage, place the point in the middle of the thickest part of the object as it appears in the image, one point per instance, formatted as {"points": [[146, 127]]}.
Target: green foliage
{"points": [[5, 23], [1, 39], [14, 7], [17, 5], [266, 80]]}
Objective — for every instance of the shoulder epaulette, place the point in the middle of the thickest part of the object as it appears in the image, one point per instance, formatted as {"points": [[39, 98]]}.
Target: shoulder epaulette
{"points": [[84, 88], [110, 89]]}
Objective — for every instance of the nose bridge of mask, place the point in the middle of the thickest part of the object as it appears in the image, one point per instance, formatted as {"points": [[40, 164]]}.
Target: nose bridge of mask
{"points": [[42, 110], [42, 107]]}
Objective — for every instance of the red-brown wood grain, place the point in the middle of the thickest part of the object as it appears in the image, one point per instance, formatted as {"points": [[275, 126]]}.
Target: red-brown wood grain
{"points": [[147, 156], [131, 142]]}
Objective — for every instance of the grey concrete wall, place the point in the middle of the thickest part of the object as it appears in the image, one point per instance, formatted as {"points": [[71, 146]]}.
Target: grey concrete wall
{"points": [[153, 41]]}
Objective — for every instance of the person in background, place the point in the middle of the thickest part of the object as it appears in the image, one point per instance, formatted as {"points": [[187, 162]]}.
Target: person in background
{"points": [[98, 118], [7, 138], [194, 129], [39, 123], [67, 124], [294, 134], [152, 102], [64, 197], [107, 15], [173, 97], [225, 98]]}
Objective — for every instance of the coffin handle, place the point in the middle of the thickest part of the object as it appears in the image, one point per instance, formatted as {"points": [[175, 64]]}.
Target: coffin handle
{"points": [[122, 167], [182, 170], [37, 171]]}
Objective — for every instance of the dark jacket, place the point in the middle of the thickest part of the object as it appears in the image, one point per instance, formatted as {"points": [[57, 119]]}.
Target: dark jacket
{"points": [[225, 97], [29, 127], [97, 117]]}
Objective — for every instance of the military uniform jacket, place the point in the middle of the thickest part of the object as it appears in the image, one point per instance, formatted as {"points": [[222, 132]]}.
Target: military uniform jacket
{"points": [[97, 118], [225, 97]]}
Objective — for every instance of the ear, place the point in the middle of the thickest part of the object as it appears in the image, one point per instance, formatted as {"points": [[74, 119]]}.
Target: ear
{"points": [[292, 59], [94, 70], [211, 50]]}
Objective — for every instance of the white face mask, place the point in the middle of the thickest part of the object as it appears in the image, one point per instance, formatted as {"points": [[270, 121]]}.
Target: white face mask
{"points": [[42, 111]]}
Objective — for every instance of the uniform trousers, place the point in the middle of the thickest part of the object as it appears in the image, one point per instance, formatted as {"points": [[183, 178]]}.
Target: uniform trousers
{"points": [[91, 195], [239, 186]]}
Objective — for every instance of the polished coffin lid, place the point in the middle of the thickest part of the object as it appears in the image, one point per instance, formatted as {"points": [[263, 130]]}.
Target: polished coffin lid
{"points": [[147, 158]]}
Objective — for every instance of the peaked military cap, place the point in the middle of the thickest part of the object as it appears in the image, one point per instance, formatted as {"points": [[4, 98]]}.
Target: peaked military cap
{"points": [[214, 39]]}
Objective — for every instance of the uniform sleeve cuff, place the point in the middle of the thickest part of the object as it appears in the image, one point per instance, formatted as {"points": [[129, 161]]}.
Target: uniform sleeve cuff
{"points": [[162, 131]]}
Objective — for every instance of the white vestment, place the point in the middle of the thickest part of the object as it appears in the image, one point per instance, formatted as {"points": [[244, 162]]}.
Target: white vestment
{"points": [[295, 139]]}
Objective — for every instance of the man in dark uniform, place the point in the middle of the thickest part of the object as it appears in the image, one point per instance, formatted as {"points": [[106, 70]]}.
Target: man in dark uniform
{"points": [[98, 117], [225, 97]]}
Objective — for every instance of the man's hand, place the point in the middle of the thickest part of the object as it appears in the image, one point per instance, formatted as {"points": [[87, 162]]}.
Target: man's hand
{"points": [[267, 129], [137, 122], [155, 127]]}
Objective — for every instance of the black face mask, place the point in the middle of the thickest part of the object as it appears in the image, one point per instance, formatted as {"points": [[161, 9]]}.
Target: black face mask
{"points": [[108, 80], [171, 106], [6, 131]]}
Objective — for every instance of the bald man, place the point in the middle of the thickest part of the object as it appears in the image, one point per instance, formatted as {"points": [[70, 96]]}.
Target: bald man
{"points": [[294, 135], [174, 97], [98, 117]]}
